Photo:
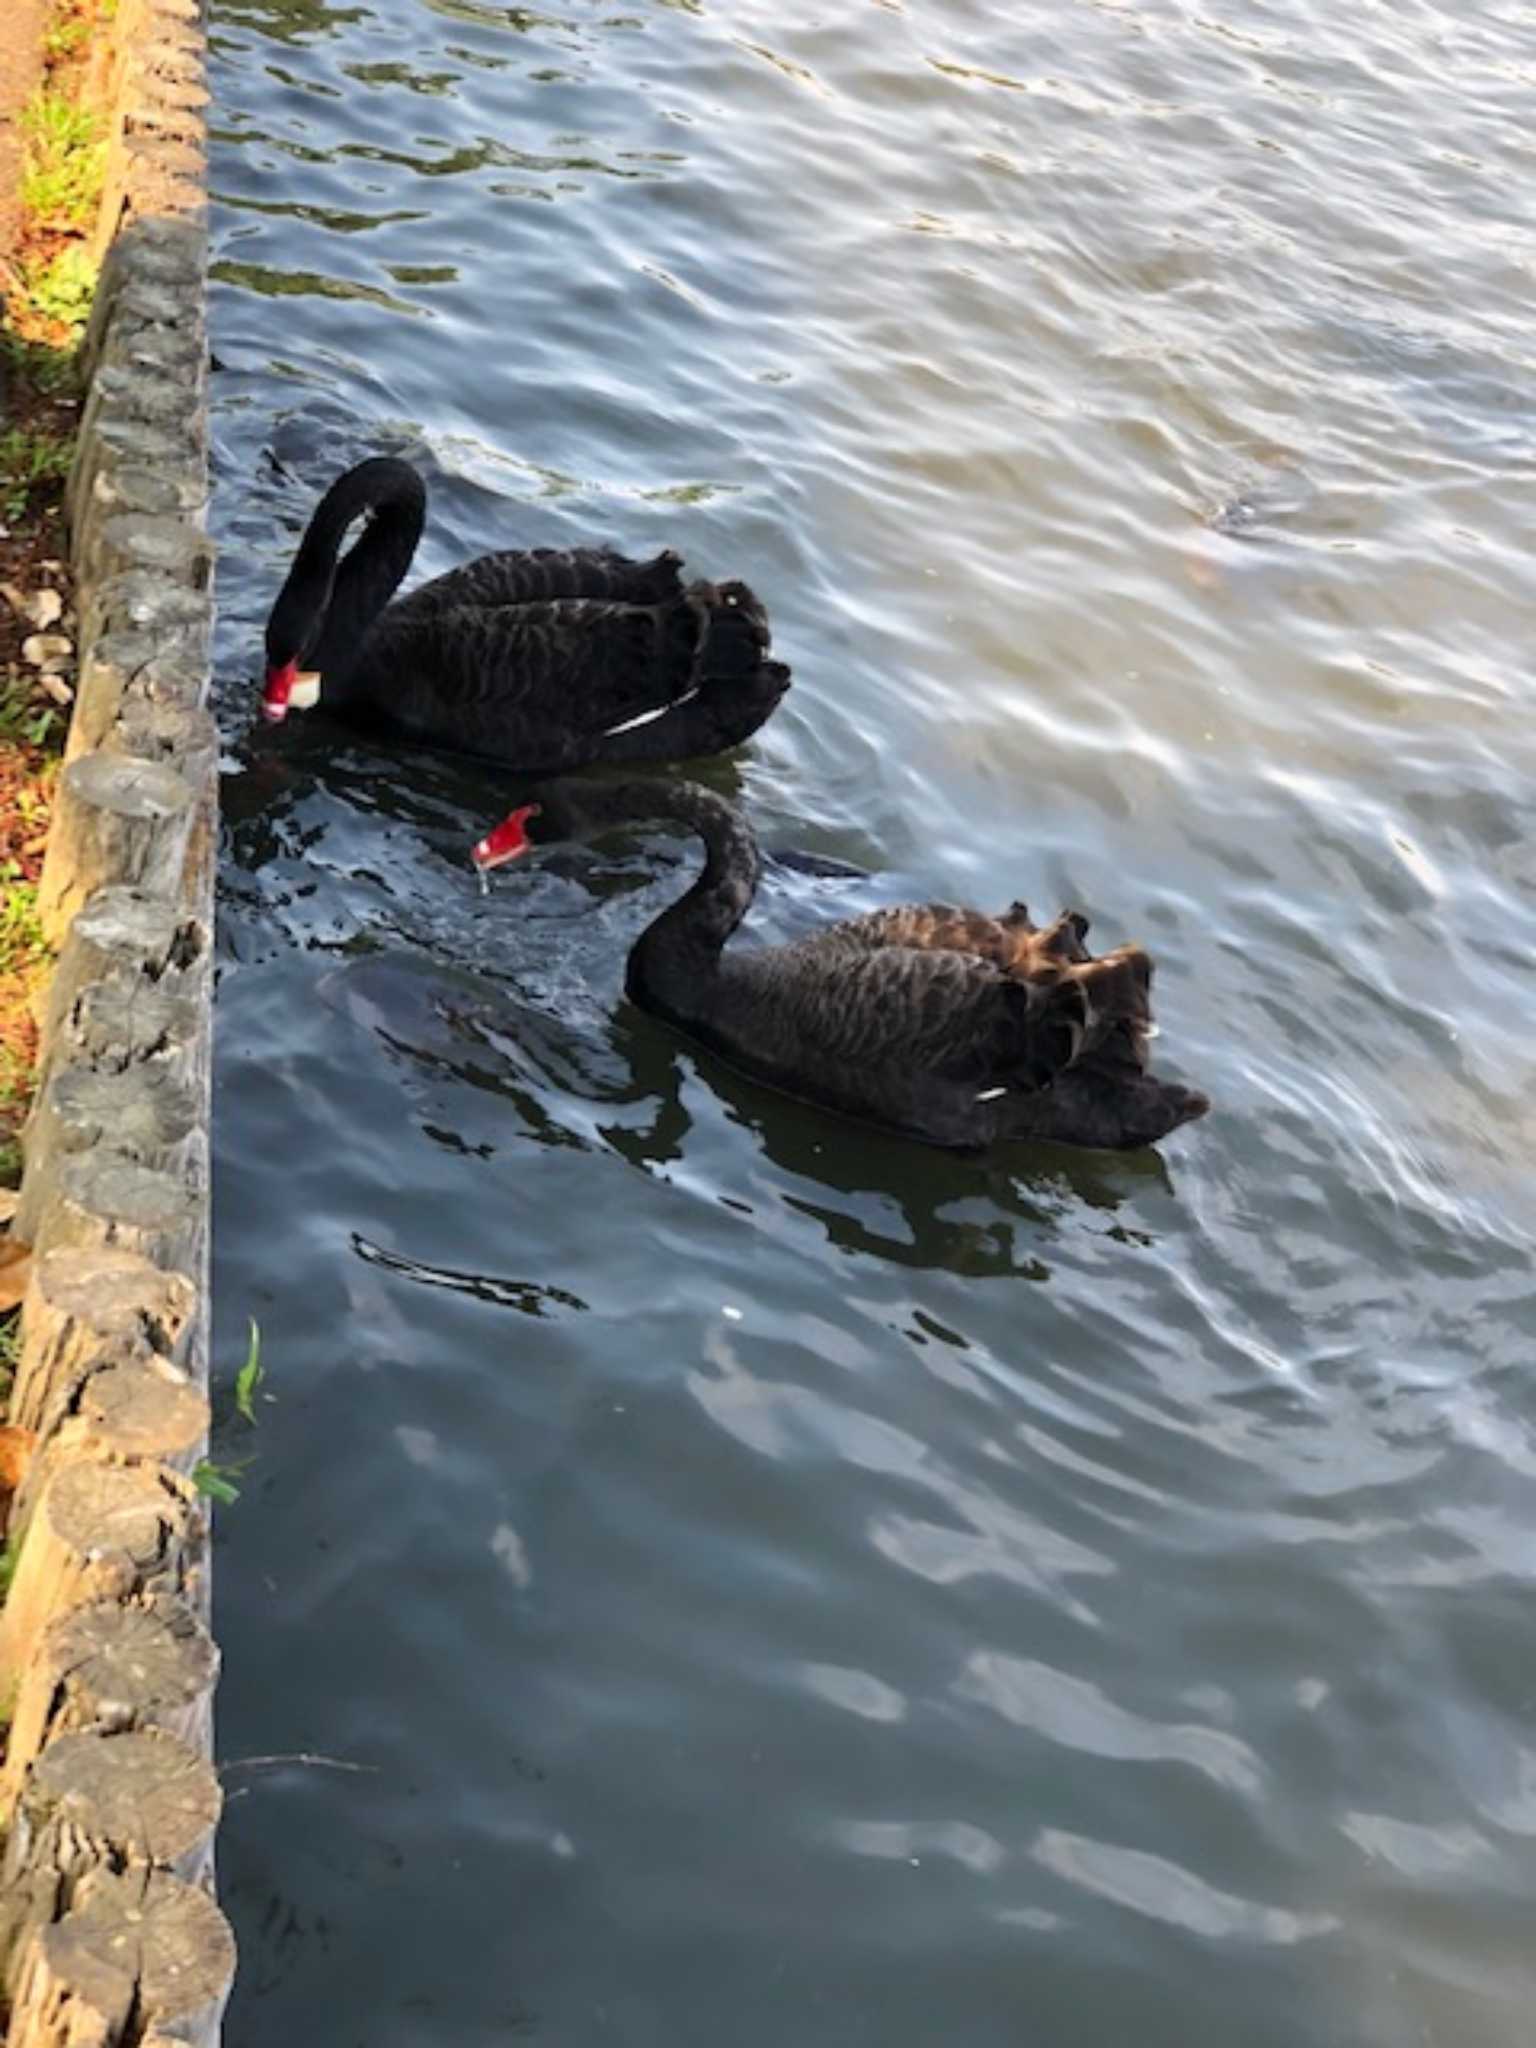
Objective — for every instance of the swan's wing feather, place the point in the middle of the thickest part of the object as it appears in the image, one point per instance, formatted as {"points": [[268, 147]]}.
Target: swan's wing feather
{"points": [[1010, 943], [998, 1021], [575, 663], [530, 576], [945, 1014]]}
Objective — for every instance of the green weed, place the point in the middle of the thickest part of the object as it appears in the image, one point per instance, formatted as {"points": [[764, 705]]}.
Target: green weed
{"points": [[22, 944], [66, 39], [30, 462], [214, 1478], [48, 370], [15, 1079], [25, 722], [64, 163], [54, 126], [59, 290], [217, 1482], [250, 1376], [31, 807]]}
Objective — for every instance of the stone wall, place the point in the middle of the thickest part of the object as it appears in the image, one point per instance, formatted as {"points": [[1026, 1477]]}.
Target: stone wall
{"points": [[109, 1931]]}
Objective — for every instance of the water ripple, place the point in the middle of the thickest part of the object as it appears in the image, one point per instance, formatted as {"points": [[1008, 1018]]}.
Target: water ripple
{"points": [[905, 1579]]}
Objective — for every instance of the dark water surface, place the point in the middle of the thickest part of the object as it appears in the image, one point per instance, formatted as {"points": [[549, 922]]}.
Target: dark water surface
{"points": [[781, 1587]]}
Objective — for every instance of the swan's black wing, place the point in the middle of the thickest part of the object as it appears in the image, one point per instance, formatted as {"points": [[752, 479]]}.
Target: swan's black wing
{"points": [[893, 1010], [1098, 1002], [520, 576], [541, 685], [1056, 1057], [1010, 942], [1115, 988]]}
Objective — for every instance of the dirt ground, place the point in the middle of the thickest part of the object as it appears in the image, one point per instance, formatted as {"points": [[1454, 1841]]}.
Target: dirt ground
{"points": [[31, 552], [22, 32]]}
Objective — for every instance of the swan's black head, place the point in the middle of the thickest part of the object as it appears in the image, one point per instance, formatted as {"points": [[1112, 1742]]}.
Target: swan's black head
{"points": [[555, 817], [582, 810]]}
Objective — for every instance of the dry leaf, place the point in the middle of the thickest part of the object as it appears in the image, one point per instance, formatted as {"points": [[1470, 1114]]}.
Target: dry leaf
{"points": [[17, 1446], [15, 1269]]}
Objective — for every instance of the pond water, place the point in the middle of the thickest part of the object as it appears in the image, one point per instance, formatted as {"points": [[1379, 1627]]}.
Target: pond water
{"points": [[748, 1580]]}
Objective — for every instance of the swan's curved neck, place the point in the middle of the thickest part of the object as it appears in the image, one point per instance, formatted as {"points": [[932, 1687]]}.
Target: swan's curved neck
{"points": [[675, 963], [356, 589]]}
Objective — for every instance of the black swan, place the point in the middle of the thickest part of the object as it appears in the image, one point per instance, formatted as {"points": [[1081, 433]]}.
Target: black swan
{"points": [[546, 659], [946, 1024]]}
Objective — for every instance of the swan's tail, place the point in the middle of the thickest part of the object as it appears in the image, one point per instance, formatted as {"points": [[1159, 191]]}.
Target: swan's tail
{"points": [[710, 683], [1117, 997], [1093, 1024]]}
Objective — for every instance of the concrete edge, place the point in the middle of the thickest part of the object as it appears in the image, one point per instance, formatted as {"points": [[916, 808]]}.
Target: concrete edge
{"points": [[109, 1799]]}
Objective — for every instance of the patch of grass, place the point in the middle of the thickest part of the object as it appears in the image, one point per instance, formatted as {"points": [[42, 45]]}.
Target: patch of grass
{"points": [[55, 127], [31, 807], [54, 295], [26, 723], [50, 371], [49, 284], [31, 461], [64, 164], [22, 944], [66, 38], [68, 34], [24, 956], [15, 1079], [15, 1096]]}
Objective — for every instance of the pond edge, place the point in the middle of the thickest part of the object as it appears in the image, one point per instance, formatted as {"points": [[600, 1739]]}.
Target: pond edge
{"points": [[108, 1920]]}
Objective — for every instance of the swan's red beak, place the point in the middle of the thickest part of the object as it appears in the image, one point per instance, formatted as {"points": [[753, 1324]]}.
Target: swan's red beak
{"points": [[274, 698], [509, 841]]}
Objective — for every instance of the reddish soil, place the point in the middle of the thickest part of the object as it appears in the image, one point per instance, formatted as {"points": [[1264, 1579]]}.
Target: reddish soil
{"points": [[32, 542], [24, 22]]}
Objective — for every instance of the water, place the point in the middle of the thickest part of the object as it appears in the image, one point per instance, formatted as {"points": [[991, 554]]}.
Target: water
{"points": [[773, 1584]]}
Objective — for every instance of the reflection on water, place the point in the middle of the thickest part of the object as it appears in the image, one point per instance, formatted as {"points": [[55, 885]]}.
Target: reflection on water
{"points": [[785, 1584]]}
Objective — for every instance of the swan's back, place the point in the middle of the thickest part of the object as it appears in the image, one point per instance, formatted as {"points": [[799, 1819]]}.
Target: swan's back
{"points": [[542, 682], [520, 576]]}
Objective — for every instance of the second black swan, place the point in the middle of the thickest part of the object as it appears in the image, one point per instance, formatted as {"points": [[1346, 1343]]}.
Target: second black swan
{"points": [[949, 1025], [545, 659]]}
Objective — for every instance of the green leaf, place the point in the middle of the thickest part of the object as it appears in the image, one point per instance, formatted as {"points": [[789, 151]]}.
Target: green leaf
{"points": [[213, 1481], [250, 1376]]}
